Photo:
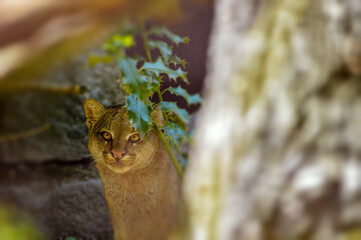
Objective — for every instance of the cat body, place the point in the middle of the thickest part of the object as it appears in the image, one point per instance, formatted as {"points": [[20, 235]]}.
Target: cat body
{"points": [[141, 186]]}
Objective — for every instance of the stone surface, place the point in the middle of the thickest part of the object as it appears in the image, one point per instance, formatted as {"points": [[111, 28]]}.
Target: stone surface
{"points": [[78, 210], [50, 175], [67, 137], [64, 199]]}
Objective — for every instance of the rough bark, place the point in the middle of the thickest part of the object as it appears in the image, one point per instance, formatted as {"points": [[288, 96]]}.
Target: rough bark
{"points": [[277, 149]]}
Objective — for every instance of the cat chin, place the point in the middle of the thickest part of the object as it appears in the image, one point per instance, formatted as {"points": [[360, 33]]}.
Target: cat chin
{"points": [[119, 168]]}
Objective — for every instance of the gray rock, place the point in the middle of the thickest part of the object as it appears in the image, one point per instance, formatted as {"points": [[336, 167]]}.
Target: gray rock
{"points": [[78, 210], [67, 137], [64, 199]]}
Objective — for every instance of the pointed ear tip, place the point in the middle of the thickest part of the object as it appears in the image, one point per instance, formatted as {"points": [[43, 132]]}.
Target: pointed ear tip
{"points": [[90, 101], [157, 116]]}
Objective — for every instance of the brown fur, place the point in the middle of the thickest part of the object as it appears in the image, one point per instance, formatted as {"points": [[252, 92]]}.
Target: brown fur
{"points": [[143, 190]]}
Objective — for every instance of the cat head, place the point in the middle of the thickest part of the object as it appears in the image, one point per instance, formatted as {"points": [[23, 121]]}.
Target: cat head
{"points": [[113, 142]]}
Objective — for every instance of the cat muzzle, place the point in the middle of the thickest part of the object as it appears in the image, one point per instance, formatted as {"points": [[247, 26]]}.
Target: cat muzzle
{"points": [[118, 155]]}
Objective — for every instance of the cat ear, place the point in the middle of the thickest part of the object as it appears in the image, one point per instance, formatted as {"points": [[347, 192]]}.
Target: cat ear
{"points": [[157, 116], [93, 111]]}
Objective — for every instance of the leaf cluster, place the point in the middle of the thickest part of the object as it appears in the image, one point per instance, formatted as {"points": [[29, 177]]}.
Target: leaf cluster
{"points": [[143, 78]]}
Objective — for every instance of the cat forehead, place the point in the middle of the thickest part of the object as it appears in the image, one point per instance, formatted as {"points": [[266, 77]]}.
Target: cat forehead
{"points": [[116, 113], [114, 118]]}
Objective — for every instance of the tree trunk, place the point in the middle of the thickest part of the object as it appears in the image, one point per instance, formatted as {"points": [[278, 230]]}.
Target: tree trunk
{"points": [[277, 153]]}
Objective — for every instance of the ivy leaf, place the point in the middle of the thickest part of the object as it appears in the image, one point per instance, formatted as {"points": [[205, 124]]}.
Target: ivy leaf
{"points": [[172, 107], [139, 115], [191, 99], [176, 135], [177, 132], [165, 50], [182, 159], [173, 37], [137, 57], [134, 81], [93, 60], [174, 118], [159, 67], [177, 61], [118, 41], [155, 83]]}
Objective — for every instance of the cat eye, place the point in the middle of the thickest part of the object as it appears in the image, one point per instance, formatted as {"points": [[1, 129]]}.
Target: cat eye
{"points": [[134, 138], [107, 136]]}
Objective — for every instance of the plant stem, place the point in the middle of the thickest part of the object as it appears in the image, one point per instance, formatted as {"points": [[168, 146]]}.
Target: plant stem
{"points": [[173, 159], [145, 40], [161, 100], [160, 95], [144, 34]]}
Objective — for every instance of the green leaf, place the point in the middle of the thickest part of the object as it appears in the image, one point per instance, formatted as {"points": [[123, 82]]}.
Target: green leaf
{"points": [[119, 41], [137, 57], [155, 83], [139, 115], [177, 132], [159, 67], [191, 99], [177, 61], [93, 60], [134, 81], [176, 135], [172, 107], [165, 32], [165, 50], [183, 160], [174, 118]]}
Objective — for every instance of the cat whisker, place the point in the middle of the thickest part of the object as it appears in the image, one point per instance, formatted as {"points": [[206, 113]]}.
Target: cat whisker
{"points": [[92, 162]]}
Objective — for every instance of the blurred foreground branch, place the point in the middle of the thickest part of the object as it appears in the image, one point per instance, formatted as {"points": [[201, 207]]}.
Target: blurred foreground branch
{"points": [[278, 152], [34, 33]]}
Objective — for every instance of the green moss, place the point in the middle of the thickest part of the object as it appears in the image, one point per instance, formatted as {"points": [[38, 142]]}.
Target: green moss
{"points": [[15, 225]]}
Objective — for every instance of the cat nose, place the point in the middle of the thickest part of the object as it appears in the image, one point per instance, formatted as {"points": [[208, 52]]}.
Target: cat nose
{"points": [[117, 154]]}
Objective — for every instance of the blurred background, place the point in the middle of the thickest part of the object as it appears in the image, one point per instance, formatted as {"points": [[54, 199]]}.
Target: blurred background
{"points": [[277, 150], [46, 170]]}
